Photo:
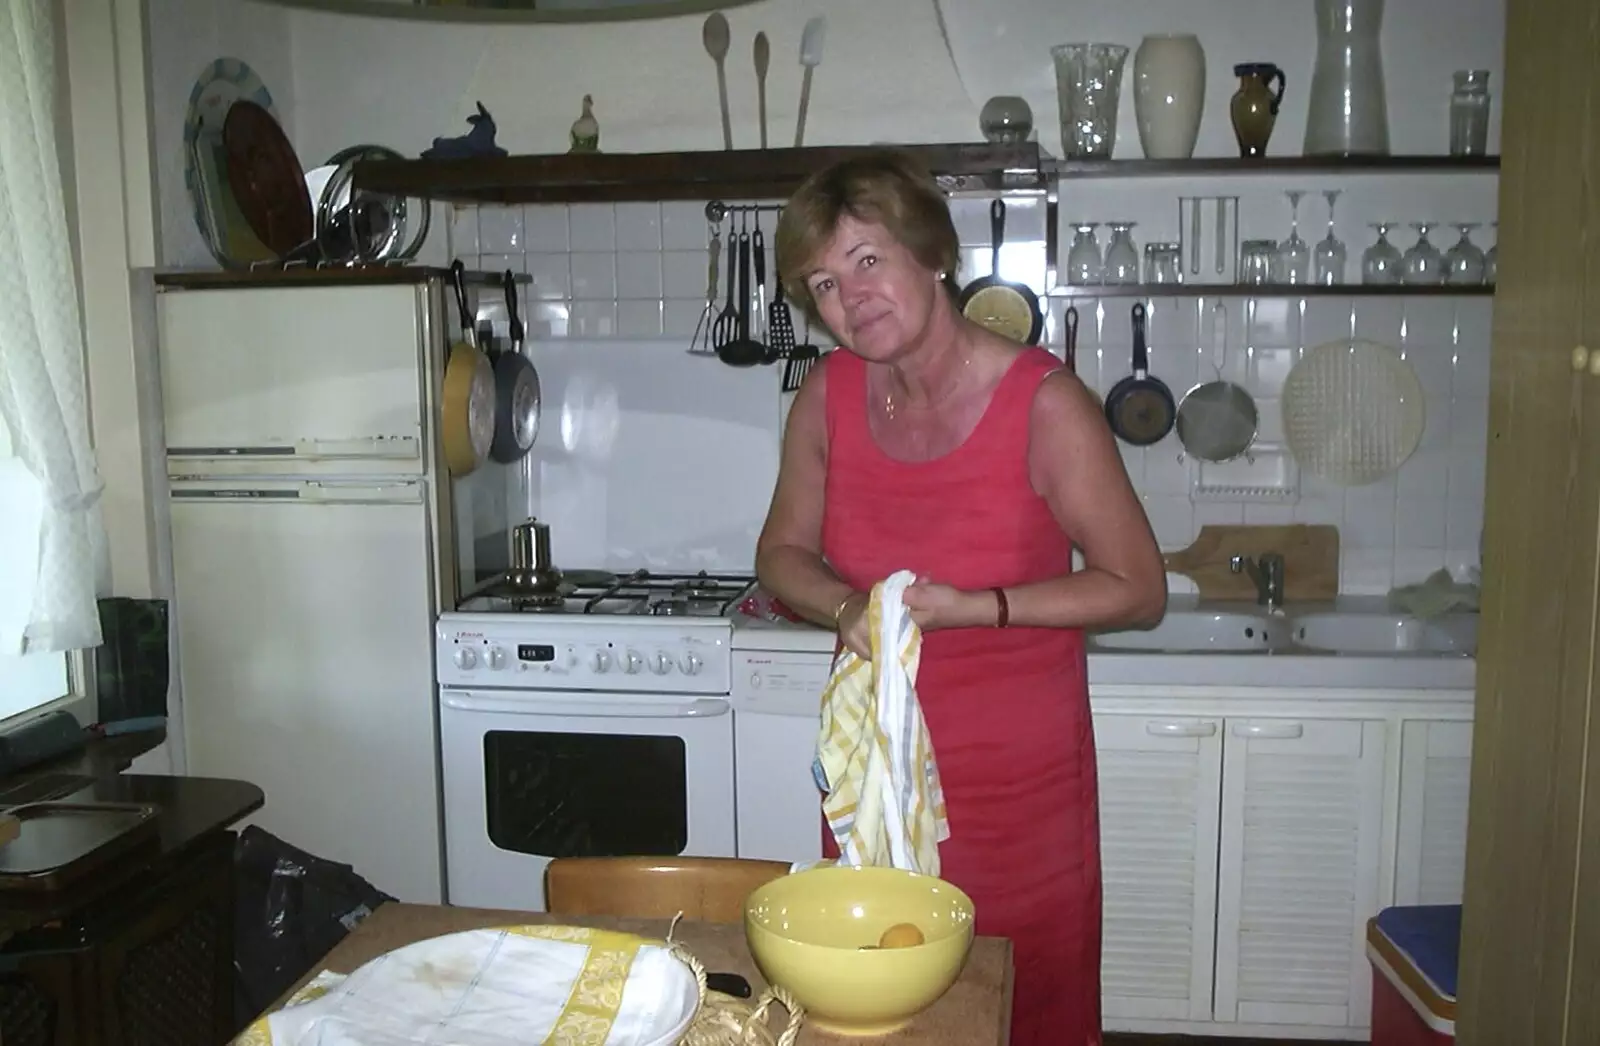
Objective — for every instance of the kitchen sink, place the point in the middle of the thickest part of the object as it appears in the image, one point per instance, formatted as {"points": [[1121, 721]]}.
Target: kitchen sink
{"points": [[1198, 632], [1384, 634]]}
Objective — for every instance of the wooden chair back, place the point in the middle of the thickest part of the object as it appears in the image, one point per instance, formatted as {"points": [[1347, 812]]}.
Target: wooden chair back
{"points": [[709, 889]]}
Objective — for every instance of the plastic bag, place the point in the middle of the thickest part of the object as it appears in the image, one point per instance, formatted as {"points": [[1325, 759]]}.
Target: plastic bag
{"points": [[290, 909]]}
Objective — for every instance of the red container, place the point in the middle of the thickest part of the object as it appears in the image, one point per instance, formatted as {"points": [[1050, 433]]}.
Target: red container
{"points": [[1414, 953]]}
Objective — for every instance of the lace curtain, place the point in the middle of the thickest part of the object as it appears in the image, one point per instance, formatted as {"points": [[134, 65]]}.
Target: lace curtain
{"points": [[43, 393]]}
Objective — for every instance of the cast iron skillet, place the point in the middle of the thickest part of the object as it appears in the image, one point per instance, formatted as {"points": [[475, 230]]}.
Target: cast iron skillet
{"points": [[1140, 407], [1009, 309]]}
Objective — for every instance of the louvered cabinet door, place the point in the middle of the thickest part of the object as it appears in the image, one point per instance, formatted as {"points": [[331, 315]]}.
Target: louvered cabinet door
{"points": [[1435, 775], [1302, 826], [1160, 784]]}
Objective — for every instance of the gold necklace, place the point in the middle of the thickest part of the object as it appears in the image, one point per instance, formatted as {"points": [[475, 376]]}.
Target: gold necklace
{"points": [[890, 410]]}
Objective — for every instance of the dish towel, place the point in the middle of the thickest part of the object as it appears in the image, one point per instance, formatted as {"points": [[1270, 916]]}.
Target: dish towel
{"points": [[875, 761]]}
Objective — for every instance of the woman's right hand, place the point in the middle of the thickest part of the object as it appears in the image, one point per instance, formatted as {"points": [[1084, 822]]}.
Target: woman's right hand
{"points": [[854, 630]]}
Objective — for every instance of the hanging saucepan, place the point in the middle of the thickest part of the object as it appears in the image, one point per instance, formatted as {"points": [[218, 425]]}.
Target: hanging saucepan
{"points": [[1218, 420], [1009, 309], [516, 415], [1140, 407], [467, 404]]}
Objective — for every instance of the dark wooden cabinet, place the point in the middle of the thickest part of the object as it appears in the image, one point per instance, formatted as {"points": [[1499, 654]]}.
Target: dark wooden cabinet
{"points": [[147, 964]]}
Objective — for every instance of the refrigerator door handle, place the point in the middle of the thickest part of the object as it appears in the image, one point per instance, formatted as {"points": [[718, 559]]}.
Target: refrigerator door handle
{"points": [[387, 447], [306, 492]]}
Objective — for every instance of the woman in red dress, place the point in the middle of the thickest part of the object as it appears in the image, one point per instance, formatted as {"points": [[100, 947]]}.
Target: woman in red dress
{"points": [[928, 443]]}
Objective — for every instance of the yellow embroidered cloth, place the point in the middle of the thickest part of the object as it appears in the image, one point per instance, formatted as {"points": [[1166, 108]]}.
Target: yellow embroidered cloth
{"points": [[875, 763], [517, 986]]}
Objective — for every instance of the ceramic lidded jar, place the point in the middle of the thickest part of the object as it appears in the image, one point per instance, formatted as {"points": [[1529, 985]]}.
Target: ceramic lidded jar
{"points": [[1169, 94], [1254, 106]]}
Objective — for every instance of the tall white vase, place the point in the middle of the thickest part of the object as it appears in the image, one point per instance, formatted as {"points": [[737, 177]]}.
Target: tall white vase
{"points": [[1169, 94]]}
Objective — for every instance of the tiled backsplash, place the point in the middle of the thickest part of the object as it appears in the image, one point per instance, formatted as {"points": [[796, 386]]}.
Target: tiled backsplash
{"points": [[640, 269]]}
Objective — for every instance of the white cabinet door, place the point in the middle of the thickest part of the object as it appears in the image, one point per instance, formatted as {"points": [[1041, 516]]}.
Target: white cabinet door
{"points": [[1435, 771], [1159, 781], [304, 622], [1302, 822]]}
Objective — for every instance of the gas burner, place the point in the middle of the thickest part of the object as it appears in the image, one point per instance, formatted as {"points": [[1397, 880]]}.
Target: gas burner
{"points": [[639, 594]]}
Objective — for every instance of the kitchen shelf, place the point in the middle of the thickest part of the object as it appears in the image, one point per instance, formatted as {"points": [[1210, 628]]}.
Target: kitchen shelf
{"points": [[1260, 290], [771, 174], [739, 174], [1232, 165]]}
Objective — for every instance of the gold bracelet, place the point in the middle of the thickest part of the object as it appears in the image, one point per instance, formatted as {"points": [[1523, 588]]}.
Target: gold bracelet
{"points": [[839, 610]]}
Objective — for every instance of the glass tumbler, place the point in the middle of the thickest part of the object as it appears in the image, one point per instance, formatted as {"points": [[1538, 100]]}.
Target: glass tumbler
{"points": [[1256, 260], [1469, 113]]}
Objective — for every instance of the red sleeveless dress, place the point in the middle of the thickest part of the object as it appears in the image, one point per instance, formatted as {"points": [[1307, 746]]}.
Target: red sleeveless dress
{"points": [[1008, 709]]}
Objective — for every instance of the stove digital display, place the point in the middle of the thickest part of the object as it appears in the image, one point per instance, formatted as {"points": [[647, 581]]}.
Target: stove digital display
{"points": [[535, 652]]}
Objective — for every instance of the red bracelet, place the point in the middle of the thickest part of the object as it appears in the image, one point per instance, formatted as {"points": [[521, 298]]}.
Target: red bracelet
{"points": [[1004, 616]]}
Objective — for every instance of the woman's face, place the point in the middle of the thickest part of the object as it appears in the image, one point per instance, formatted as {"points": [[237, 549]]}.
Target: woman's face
{"points": [[872, 293]]}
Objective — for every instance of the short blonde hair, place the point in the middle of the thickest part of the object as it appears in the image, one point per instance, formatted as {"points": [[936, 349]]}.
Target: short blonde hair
{"points": [[887, 187]]}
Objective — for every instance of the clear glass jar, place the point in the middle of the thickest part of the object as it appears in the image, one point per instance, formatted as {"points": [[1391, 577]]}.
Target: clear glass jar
{"points": [[1084, 265], [1469, 113]]}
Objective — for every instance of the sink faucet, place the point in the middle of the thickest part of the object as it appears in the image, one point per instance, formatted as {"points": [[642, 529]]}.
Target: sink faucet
{"points": [[1266, 570]]}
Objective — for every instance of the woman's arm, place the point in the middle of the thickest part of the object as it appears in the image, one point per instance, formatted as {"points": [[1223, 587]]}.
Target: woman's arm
{"points": [[789, 560], [1074, 465]]}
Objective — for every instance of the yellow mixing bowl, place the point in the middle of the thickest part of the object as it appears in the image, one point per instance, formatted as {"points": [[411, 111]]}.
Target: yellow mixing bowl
{"points": [[815, 933]]}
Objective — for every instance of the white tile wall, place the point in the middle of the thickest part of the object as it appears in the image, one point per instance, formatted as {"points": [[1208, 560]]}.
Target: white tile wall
{"points": [[640, 269]]}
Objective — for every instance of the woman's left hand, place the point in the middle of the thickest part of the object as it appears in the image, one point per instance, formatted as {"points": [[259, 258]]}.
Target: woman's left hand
{"points": [[934, 606]]}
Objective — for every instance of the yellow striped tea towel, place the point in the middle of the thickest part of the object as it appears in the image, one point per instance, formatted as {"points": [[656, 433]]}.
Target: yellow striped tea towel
{"points": [[875, 763]]}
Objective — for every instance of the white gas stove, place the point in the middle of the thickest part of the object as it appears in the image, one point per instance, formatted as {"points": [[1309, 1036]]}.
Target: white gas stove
{"points": [[583, 713]]}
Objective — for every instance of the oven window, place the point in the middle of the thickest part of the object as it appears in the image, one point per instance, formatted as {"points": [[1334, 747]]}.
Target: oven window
{"points": [[586, 795]]}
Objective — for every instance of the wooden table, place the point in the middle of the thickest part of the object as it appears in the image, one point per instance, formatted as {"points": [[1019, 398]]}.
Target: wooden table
{"points": [[976, 1011]]}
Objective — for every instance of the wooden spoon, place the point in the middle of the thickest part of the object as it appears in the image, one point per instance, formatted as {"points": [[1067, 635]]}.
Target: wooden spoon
{"points": [[716, 37], [763, 60]]}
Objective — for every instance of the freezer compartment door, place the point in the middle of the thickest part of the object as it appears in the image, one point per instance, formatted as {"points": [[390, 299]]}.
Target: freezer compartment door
{"points": [[304, 638], [322, 374]]}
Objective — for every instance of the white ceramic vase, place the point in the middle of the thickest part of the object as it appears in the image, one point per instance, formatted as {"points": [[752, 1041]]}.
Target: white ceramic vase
{"points": [[1169, 94]]}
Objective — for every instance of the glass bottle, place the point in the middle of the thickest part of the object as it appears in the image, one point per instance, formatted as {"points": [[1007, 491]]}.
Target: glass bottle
{"points": [[1469, 113]]}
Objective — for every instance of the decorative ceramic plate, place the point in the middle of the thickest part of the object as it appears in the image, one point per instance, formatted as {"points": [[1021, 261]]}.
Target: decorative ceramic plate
{"points": [[205, 170]]}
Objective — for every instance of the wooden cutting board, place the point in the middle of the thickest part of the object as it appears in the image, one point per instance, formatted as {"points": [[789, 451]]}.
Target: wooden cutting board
{"points": [[1310, 554]]}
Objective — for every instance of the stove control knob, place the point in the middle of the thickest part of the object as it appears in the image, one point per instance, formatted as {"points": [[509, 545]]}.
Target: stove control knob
{"points": [[632, 662], [690, 663], [466, 658], [495, 658], [601, 662], [662, 663]]}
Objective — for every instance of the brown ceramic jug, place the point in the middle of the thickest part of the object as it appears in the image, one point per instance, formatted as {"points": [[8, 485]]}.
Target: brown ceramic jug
{"points": [[1254, 107]]}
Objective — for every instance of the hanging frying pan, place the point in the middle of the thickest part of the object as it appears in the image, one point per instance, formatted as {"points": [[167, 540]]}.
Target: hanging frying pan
{"points": [[1009, 309], [467, 405], [1140, 407], [516, 415], [1070, 321]]}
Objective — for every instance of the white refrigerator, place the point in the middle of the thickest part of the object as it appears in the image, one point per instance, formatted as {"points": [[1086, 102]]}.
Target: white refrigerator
{"points": [[310, 529]]}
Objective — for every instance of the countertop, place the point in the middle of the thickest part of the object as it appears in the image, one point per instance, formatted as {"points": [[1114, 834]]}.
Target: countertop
{"points": [[976, 1011], [190, 809], [1266, 669]]}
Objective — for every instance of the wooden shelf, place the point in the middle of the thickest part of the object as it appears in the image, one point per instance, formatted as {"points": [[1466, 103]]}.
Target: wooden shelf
{"points": [[1232, 165], [740, 174], [1258, 290], [772, 174]]}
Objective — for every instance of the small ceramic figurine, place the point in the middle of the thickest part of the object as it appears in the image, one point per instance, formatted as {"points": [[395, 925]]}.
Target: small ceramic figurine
{"points": [[586, 129], [477, 142]]}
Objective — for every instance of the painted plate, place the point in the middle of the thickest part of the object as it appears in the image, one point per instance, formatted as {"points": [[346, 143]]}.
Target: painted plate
{"points": [[205, 171]]}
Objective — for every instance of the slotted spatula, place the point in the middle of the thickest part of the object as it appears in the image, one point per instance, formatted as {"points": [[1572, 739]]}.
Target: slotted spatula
{"points": [[801, 360], [780, 321]]}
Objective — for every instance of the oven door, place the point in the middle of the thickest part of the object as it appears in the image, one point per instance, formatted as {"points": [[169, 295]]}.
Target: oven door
{"points": [[534, 775]]}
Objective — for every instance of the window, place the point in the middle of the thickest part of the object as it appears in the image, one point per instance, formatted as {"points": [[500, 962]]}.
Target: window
{"points": [[27, 681]]}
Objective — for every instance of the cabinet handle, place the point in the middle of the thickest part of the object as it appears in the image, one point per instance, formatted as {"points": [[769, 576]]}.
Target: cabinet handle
{"points": [[1269, 731], [1167, 728]]}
